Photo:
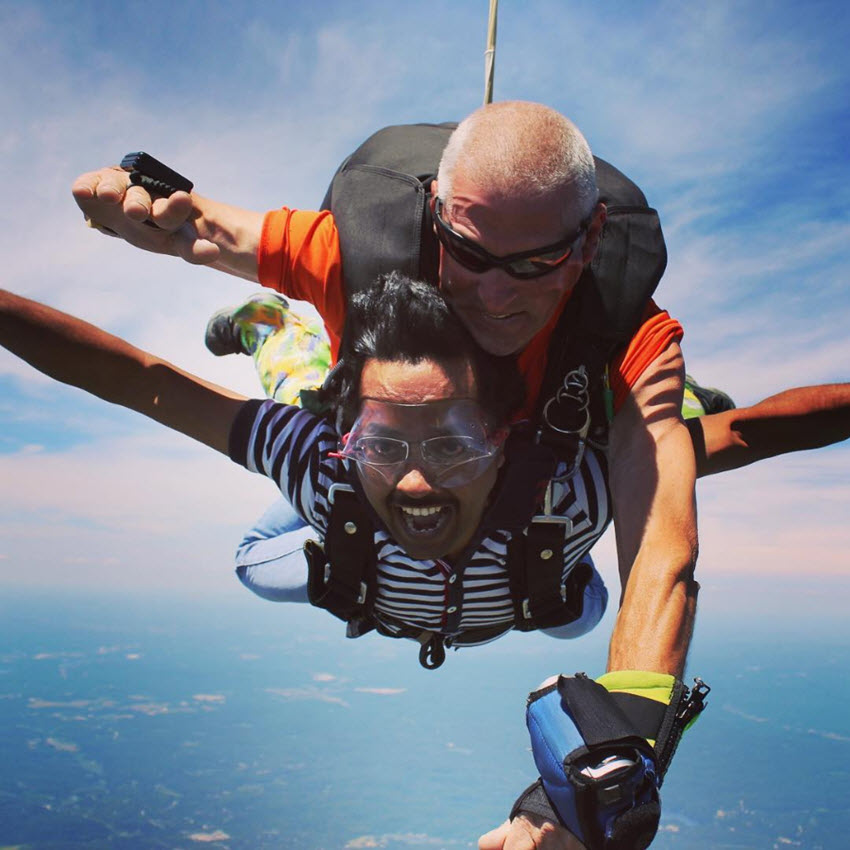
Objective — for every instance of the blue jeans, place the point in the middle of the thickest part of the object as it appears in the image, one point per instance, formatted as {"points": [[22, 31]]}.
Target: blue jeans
{"points": [[270, 559]]}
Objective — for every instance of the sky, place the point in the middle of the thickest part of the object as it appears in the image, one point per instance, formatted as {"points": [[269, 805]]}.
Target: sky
{"points": [[732, 117]]}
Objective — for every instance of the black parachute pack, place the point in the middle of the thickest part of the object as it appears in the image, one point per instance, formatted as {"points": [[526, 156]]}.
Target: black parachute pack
{"points": [[379, 199]]}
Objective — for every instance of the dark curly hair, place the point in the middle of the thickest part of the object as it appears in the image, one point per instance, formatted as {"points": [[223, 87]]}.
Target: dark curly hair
{"points": [[402, 319]]}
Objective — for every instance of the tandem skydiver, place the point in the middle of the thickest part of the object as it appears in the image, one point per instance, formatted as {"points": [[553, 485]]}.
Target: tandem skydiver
{"points": [[421, 487], [515, 177]]}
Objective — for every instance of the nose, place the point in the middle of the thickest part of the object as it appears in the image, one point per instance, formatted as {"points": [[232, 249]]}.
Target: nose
{"points": [[497, 291], [414, 483]]}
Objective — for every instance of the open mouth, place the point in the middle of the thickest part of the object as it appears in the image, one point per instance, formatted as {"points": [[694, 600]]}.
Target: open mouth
{"points": [[427, 521]]}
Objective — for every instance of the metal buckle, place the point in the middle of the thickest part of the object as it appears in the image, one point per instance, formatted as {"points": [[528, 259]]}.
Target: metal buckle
{"points": [[338, 488], [551, 519], [574, 389], [694, 703]]}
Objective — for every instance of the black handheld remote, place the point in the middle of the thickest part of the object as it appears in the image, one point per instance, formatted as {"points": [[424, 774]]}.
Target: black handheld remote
{"points": [[151, 174]]}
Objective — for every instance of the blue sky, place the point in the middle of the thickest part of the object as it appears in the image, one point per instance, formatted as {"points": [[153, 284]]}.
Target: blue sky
{"points": [[732, 117]]}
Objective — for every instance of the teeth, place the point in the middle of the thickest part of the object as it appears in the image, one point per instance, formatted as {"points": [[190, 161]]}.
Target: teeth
{"points": [[422, 511]]}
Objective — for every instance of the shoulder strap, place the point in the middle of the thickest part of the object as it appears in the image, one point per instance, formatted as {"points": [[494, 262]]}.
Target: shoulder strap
{"points": [[541, 596], [341, 578]]}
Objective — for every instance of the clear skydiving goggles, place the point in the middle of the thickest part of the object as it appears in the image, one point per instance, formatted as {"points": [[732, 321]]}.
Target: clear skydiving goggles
{"points": [[453, 445]]}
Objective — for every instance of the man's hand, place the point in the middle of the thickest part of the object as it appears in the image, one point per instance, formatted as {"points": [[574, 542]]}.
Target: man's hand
{"points": [[529, 832], [197, 229], [108, 200]]}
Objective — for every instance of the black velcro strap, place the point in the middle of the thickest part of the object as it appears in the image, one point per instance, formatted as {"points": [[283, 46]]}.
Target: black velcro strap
{"points": [[535, 801], [544, 568], [647, 715], [345, 583], [655, 721], [599, 719], [536, 568]]}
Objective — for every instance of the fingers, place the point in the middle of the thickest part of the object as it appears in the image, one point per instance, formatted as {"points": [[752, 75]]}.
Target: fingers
{"points": [[137, 203], [529, 832], [166, 213], [187, 246], [107, 185], [495, 838], [113, 205], [171, 213], [111, 187]]}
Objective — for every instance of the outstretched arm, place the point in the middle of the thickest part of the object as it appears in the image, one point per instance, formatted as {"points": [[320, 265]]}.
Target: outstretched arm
{"points": [[201, 231], [794, 420], [652, 476], [74, 352]]}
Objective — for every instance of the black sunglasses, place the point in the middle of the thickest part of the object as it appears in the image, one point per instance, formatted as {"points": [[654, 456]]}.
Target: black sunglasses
{"points": [[523, 265]]}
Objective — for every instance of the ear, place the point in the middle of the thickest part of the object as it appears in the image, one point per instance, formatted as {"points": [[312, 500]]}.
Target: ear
{"points": [[594, 233]]}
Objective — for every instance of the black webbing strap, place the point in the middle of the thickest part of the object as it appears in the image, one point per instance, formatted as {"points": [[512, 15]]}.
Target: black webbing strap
{"points": [[647, 715], [344, 583], [534, 800], [596, 714], [542, 598]]}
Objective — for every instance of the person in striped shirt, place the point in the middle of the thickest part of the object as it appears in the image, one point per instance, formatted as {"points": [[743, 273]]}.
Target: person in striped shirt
{"points": [[442, 550], [424, 415]]}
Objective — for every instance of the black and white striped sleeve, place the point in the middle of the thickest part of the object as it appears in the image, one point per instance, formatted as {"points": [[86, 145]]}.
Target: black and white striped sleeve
{"points": [[290, 446]]}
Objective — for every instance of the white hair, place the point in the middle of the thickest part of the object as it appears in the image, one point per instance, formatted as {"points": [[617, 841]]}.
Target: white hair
{"points": [[517, 148]]}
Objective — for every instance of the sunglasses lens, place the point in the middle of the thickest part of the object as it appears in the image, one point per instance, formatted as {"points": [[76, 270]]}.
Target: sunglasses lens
{"points": [[473, 258], [538, 266], [464, 254]]}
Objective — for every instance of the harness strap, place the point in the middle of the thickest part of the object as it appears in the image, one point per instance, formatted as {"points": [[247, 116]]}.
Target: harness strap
{"points": [[542, 597], [342, 579]]}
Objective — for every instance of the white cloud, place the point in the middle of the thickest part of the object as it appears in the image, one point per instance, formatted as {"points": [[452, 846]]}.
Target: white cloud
{"points": [[152, 510]]}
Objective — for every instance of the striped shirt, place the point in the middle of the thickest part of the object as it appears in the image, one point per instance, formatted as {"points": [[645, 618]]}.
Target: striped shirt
{"points": [[293, 446]]}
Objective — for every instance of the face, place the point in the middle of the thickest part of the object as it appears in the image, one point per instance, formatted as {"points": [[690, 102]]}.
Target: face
{"points": [[502, 312], [429, 506]]}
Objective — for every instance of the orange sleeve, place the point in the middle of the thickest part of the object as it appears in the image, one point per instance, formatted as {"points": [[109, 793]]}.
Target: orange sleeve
{"points": [[656, 333], [299, 256]]}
